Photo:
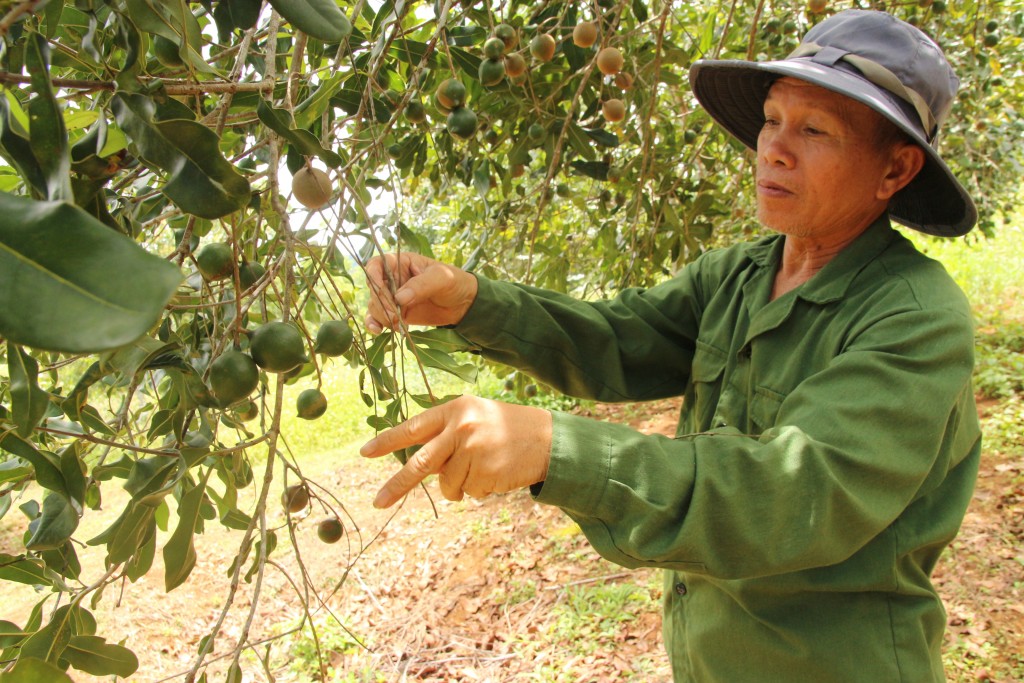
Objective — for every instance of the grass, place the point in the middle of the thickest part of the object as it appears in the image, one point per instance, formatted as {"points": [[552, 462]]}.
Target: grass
{"points": [[989, 270]]}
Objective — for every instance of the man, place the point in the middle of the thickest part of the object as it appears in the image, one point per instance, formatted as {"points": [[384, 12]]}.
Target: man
{"points": [[828, 442]]}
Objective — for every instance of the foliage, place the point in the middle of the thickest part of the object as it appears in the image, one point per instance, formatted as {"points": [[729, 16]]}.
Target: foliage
{"points": [[136, 133], [988, 269]]}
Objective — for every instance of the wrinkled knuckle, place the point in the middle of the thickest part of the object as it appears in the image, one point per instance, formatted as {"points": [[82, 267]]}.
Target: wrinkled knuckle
{"points": [[420, 464]]}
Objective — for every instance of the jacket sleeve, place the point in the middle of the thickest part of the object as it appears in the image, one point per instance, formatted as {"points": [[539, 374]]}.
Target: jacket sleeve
{"points": [[854, 444], [635, 347]]}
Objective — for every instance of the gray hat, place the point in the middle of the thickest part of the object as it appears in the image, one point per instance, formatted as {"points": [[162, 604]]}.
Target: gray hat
{"points": [[877, 60]]}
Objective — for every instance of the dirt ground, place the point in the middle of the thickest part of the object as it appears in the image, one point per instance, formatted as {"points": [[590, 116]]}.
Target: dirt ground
{"points": [[495, 590]]}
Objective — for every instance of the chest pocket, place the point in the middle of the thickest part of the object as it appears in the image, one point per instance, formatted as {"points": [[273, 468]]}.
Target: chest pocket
{"points": [[764, 408], [707, 374]]}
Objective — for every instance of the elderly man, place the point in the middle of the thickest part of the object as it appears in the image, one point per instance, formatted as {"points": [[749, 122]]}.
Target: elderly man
{"points": [[828, 442]]}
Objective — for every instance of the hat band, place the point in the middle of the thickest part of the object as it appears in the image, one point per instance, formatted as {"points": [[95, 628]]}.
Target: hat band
{"points": [[880, 76]]}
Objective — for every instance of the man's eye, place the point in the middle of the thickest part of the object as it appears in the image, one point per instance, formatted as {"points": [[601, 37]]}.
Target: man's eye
{"points": [[769, 122]]}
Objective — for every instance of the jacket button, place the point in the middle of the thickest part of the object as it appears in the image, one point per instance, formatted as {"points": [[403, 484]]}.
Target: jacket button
{"points": [[680, 588]]}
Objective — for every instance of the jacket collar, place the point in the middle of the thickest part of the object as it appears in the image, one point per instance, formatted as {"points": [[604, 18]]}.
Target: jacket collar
{"points": [[831, 282]]}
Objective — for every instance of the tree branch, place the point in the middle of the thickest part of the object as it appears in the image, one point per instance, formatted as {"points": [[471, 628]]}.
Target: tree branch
{"points": [[178, 87]]}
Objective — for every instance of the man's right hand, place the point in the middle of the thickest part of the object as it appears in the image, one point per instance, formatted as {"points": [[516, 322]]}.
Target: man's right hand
{"points": [[427, 292]]}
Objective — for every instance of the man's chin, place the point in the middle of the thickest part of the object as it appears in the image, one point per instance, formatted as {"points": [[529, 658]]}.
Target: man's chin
{"points": [[779, 222]]}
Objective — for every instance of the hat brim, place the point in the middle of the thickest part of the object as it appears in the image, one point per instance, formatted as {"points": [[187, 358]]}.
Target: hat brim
{"points": [[733, 94]]}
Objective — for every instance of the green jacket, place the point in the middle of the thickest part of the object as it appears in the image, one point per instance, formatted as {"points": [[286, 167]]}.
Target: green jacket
{"points": [[826, 452]]}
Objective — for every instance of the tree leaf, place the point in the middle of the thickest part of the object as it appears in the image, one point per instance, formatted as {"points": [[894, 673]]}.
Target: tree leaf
{"points": [[433, 358], [310, 109], [48, 135], [31, 670], [13, 470], [200, 180], [180, 552], [131, 533], [54, 526], [442, 339], [24, 570], [173, 21], [580, 142], [602, 137], [48, 643], [28, 401], [10, 634], [321, 19], [232, 14], [95, 656], [61, 299], [598, 170], [306, 143], [142, 561], [46, 465], [15, 146]]}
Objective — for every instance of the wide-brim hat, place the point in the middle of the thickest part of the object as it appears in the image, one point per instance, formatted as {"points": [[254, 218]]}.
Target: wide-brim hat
{"points": [[873, 58]]}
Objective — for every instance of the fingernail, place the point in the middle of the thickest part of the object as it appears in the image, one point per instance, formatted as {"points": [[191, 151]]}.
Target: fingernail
{"points": [[374, 328], [368, 447], [403, 296], [381, 501]]}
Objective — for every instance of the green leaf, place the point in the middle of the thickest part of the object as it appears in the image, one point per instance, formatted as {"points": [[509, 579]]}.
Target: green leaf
{"points": [[321, 19], [28, 401], [131, 533], [46, 465], [482, 179], [95, 656], [306, 143], [63, 561], [469, 63], [30, 670], [180, 552], [640, 10], [255, 566], [232, 14], [48, 643], [56, 524], [598, 170], [200, 180], [413, 52], [580, 142], [10, 634], [14, 470], [602, 137], [15, 146], [75, 401], [48, 136], [442, 339], [24, 570], [151, 479], [102, 294], [144, 353], [140, 564], [310, 109], [174, 21], [433, 358]]}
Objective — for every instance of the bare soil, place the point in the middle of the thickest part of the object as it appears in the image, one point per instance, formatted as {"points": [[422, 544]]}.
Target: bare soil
{"points": [[496, 590]]}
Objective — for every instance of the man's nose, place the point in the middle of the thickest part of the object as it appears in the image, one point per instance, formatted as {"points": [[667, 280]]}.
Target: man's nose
{"points": [[774, 148]]}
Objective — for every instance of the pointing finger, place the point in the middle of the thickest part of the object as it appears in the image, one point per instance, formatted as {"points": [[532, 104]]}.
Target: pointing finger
{"points": [[417, 429]]}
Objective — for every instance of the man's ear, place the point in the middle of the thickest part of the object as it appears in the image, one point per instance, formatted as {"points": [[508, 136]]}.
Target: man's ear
{"points": [[905, 161]]}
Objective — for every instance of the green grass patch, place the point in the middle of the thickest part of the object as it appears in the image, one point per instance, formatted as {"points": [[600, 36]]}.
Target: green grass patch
{"points": [[991, 273]]}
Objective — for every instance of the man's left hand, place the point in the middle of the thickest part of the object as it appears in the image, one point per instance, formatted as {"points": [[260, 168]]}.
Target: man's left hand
{"points": [[476, 446]]}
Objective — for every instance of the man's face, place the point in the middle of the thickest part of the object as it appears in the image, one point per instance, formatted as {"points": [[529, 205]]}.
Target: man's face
{"points": [[818, 168]]}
